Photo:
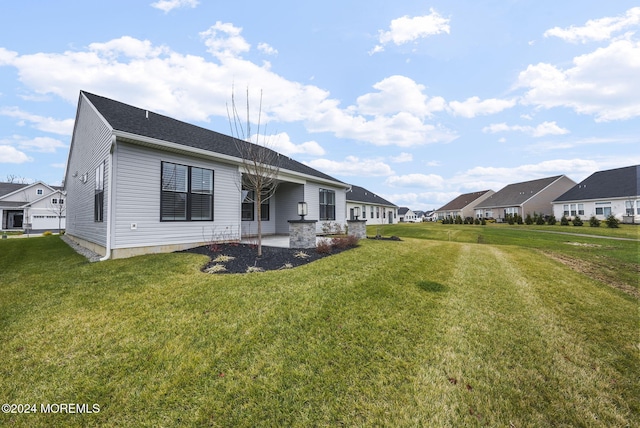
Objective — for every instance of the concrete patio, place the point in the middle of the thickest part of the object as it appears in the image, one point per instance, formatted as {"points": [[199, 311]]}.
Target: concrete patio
{"points": [[281, 241]]}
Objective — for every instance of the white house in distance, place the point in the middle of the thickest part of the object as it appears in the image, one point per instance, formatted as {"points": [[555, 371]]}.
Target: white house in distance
{"points": [[406, 215], [37, 207], [372, 208], [139, 182], [614, 191]]}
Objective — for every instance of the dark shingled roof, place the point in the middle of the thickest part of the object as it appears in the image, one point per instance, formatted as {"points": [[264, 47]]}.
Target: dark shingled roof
{"points": [[462, 201], [612, 183], [518, 193], [126, 118], [360, 194], [6, 188]]}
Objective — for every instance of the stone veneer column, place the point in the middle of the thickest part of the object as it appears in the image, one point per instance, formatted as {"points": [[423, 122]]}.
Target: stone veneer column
{"points": [[357, 228], [302, 233]]}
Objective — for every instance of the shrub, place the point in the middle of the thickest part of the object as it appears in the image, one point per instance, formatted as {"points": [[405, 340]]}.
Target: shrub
{"points": [[510, 219], [594, 222], [612, 221], [540, 220], [323, 247], [519, 219], [344, 242], [564, 221], [47, 233], [484, 222], [552, 220], [528, 220], [476, 221], [458, 220], [577, 221]]}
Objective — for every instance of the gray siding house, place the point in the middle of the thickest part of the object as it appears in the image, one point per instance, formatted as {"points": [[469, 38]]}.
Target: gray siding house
{"points": [[139, 182], [35, 207], [524, 198]]}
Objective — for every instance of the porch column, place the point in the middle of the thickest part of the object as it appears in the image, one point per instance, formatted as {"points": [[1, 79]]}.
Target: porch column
{"points": [[302, 233], [357, 228]]}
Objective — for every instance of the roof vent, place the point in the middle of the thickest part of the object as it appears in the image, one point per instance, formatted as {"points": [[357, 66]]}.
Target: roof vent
{"points": [[146, 114]]}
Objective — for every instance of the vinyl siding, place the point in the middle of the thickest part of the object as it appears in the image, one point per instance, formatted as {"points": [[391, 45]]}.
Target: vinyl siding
{"points": [[90, 146], [541, 201], [137, 198], [312, 197], [287, 198]]}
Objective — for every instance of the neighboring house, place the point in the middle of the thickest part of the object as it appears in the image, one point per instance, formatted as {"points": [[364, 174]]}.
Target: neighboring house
{"points": [[37, 207], [614, 191], [139, 182], [524, 198], [463, 206], [430, 215], [419, 215], [373, 208], [406, 215]]}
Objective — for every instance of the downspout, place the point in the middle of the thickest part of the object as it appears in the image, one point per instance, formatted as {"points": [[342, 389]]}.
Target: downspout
{"points": [[107, 255]]}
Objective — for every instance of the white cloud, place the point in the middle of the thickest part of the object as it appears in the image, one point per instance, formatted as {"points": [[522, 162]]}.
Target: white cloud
{"points": [[282, 143], [597, 29], [192, 88], [9, 154], [168, 5], [545, 128], [398, 94], [497, 177], [402, 158], [267, 49], [603, 83], [408, 29], [415, 180], [352, 166], [224, 40], [41, 144], [473, 107], [48, 124], [415, 200]]}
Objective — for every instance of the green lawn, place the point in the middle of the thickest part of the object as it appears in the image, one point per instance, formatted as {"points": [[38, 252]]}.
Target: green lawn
{"points": [[422, 332]]}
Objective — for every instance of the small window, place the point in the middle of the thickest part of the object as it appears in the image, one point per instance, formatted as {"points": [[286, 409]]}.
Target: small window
{"points": [[98, 201], [327, 205], [364, 211], [247, 205], [54, 201], [39, 192]]}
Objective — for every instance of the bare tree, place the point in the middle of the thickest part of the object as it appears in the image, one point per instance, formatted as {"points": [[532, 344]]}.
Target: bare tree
{"points": [[260, 164], [59, 210], [12, 178]]}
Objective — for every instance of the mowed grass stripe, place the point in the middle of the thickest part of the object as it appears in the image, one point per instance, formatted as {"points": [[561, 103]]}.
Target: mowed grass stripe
{"points": [[502, 356]]}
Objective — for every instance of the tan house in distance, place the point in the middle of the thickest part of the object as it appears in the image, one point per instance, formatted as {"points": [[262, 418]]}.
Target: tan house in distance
{"points": [[524, 198], [463, 205]]}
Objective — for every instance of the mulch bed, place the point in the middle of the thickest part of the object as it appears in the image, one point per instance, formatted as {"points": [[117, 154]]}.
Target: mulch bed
{"points": [[245, 257]]}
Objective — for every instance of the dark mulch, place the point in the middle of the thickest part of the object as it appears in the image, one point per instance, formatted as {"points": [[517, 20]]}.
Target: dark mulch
{"points": [[246, 256]]}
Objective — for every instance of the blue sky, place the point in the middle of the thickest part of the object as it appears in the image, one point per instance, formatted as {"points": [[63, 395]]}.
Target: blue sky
{"points": [[417, 101]]}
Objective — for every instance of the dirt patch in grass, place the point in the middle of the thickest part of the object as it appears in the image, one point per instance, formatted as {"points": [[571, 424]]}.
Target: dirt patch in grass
{"points": [[243, 258], [596, 272]]}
